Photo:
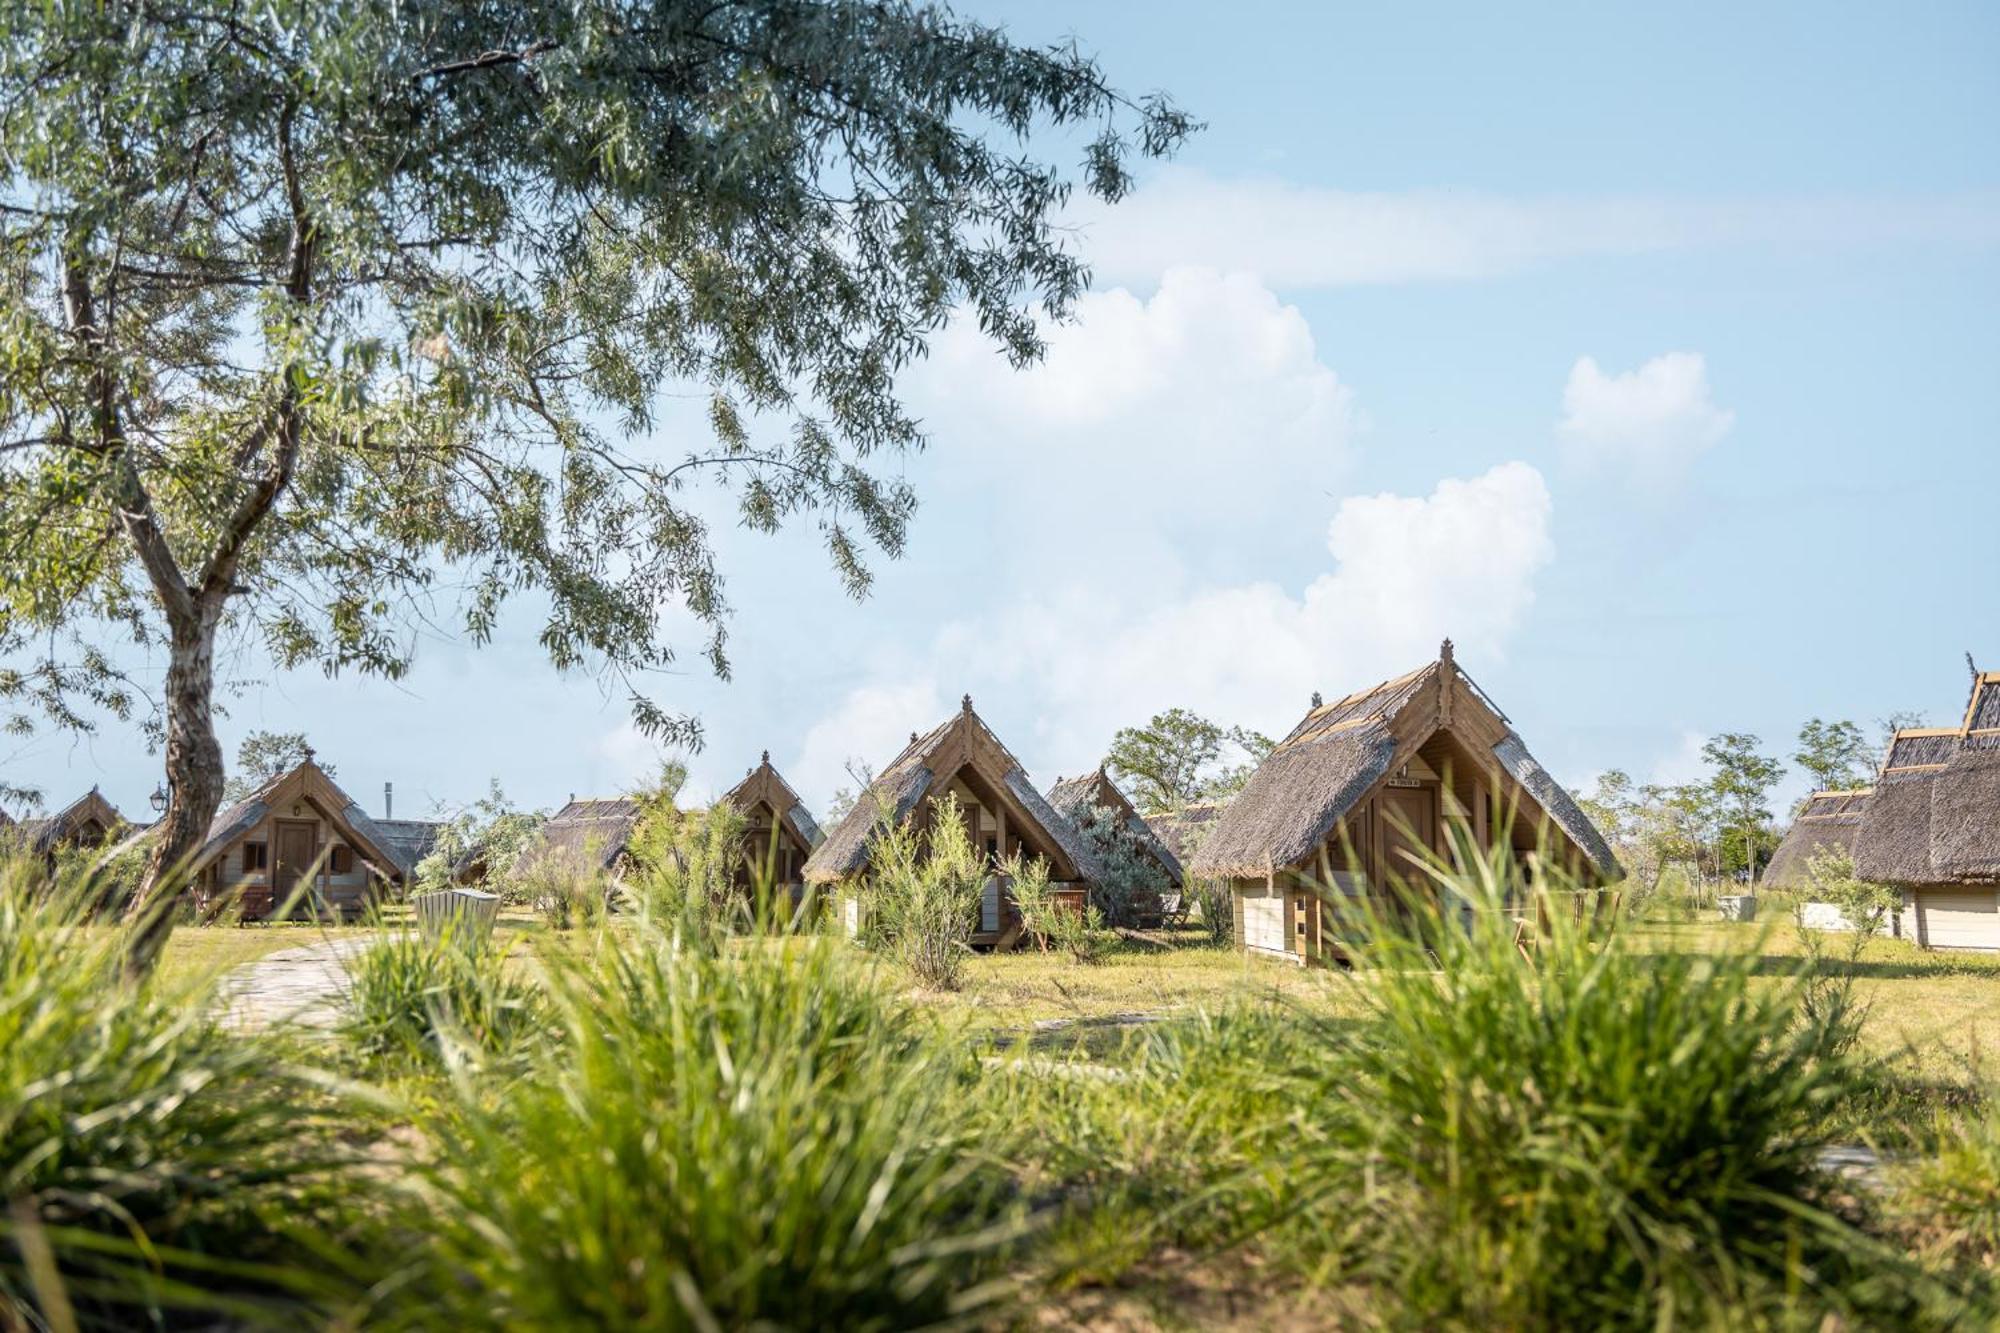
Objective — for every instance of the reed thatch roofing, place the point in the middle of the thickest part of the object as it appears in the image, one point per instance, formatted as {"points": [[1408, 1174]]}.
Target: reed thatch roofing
{"points": [[766, 784], [595, 832], [308, 781], [1333, 759], [1072, 798], [1828, 821], [411, 839], [44, 835], [1935, 816], [1184, 830], [899, 788]]}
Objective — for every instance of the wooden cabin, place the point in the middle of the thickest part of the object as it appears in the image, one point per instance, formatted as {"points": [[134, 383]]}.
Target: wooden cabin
{"points": [[1365, 790], [780, 835], [87, 823], [590, 834], [1931, 828], [960, 757], [1827, 822], [300, 840], [1075, 798]]}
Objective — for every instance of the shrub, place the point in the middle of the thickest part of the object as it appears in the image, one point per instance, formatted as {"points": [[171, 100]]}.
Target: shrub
{"points": [[564, 886], [429, 999], [158, 1169], [1948, 1203], [926, 892], [753, 1139], [1051, 923], [1217, 914], [686, 875], [1129, 882], [1590, 1139], [1865, 907]]}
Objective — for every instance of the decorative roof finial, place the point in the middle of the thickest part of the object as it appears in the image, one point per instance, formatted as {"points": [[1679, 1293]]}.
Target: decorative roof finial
{"points": [[767, 756], [1444, 652], [308, 750], [913, 738], [1317, 701], [966, 703], [1972, 666]]}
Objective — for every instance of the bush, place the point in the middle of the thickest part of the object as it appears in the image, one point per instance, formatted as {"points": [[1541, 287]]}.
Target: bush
{"points": [[926, 891], [753, 1139], [1590, 1139], [1129, 882], [565, 887], [1217, 913], [159, 1170], [1052, 923], [429, 999], [1948, 1203], [1865, 907], [687, 868]]}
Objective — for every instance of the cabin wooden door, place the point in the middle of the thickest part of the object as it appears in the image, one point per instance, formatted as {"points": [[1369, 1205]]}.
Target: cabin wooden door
{"points": [[295, 846], [1408, 816]]}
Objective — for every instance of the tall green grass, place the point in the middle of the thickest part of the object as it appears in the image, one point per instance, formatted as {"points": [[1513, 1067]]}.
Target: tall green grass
{"points": [[749, 1137], [1587, 1136], [155, 1168], [422, 998]]}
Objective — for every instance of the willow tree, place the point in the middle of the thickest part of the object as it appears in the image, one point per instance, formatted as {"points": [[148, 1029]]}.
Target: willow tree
{"points": [[321, 315]]}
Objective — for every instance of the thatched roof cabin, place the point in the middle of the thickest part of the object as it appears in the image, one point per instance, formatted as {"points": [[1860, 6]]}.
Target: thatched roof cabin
{"points": [[962, 756], [594, 834], [1935, 816], [1075, 797], [770, 806], [1365, 789], [1827, 822], [85, 822]]}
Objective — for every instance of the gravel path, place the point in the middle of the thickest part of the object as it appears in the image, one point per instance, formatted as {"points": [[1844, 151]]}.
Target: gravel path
{"points": [[302, 985]]}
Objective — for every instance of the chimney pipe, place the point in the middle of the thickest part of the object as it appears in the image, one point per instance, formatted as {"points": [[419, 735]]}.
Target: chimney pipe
{"points": [[388, 800]]}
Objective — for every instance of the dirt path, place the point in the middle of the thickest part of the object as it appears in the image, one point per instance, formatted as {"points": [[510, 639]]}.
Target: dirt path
{"points": [[302, 985]]}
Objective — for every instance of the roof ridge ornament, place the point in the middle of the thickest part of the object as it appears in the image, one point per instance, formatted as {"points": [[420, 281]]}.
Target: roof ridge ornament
{"points": [[966, 703], [1317, 701]]}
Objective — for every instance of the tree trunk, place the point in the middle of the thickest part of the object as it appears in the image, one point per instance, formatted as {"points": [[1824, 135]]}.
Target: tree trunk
{"points": [[194, 791]]}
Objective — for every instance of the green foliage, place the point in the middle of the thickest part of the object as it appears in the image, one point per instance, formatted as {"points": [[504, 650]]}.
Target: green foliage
{"points": [[169, 1170], [1594, 1139], [1052, 924], [1865, 907], [1740, 781], [1948, 1201], [923, 899], [490, 829], [1127, 889], [752, 1141], [690, 872], [566, 886], [426, 1000], [264, 755], [1172, 760], [1834, 754], [311, 304]]}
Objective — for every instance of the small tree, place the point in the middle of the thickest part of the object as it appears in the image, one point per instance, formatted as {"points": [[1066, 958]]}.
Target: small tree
{"points": [[1050, 923], [1129, 881], [1741, 783], [1865, 907], [927, 889], [1834, 754], [264, 755]]}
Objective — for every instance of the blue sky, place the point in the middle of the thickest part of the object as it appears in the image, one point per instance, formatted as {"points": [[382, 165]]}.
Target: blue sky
{"points": [[1650, 353]]}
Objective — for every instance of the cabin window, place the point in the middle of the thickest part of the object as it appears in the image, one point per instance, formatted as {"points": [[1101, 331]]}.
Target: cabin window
{"points": [[255, 856], [340, 860]]}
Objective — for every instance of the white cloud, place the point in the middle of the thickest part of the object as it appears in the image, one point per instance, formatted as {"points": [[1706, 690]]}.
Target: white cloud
{"points": [[1302, 236], [872, 724], [1682, 764], [1057, 677], [1651, 422]]}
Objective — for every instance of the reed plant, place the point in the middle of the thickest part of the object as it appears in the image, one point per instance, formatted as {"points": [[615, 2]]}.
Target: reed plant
{"points": [[429, 998], [746, 1137], [157, 1169]]}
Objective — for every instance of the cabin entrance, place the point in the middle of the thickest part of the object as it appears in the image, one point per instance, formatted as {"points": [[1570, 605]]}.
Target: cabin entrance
{"points": [[295, 846], [1408, 815]]}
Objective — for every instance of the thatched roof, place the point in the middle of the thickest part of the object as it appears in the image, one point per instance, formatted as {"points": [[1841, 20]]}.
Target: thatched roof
{"points": [[43, 836], [1334, 758], [765, 784], [1828, 821], [1073, 798], [1184, 830], [595, 831], [412, 839], [924, 767], [1935, 816]]}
